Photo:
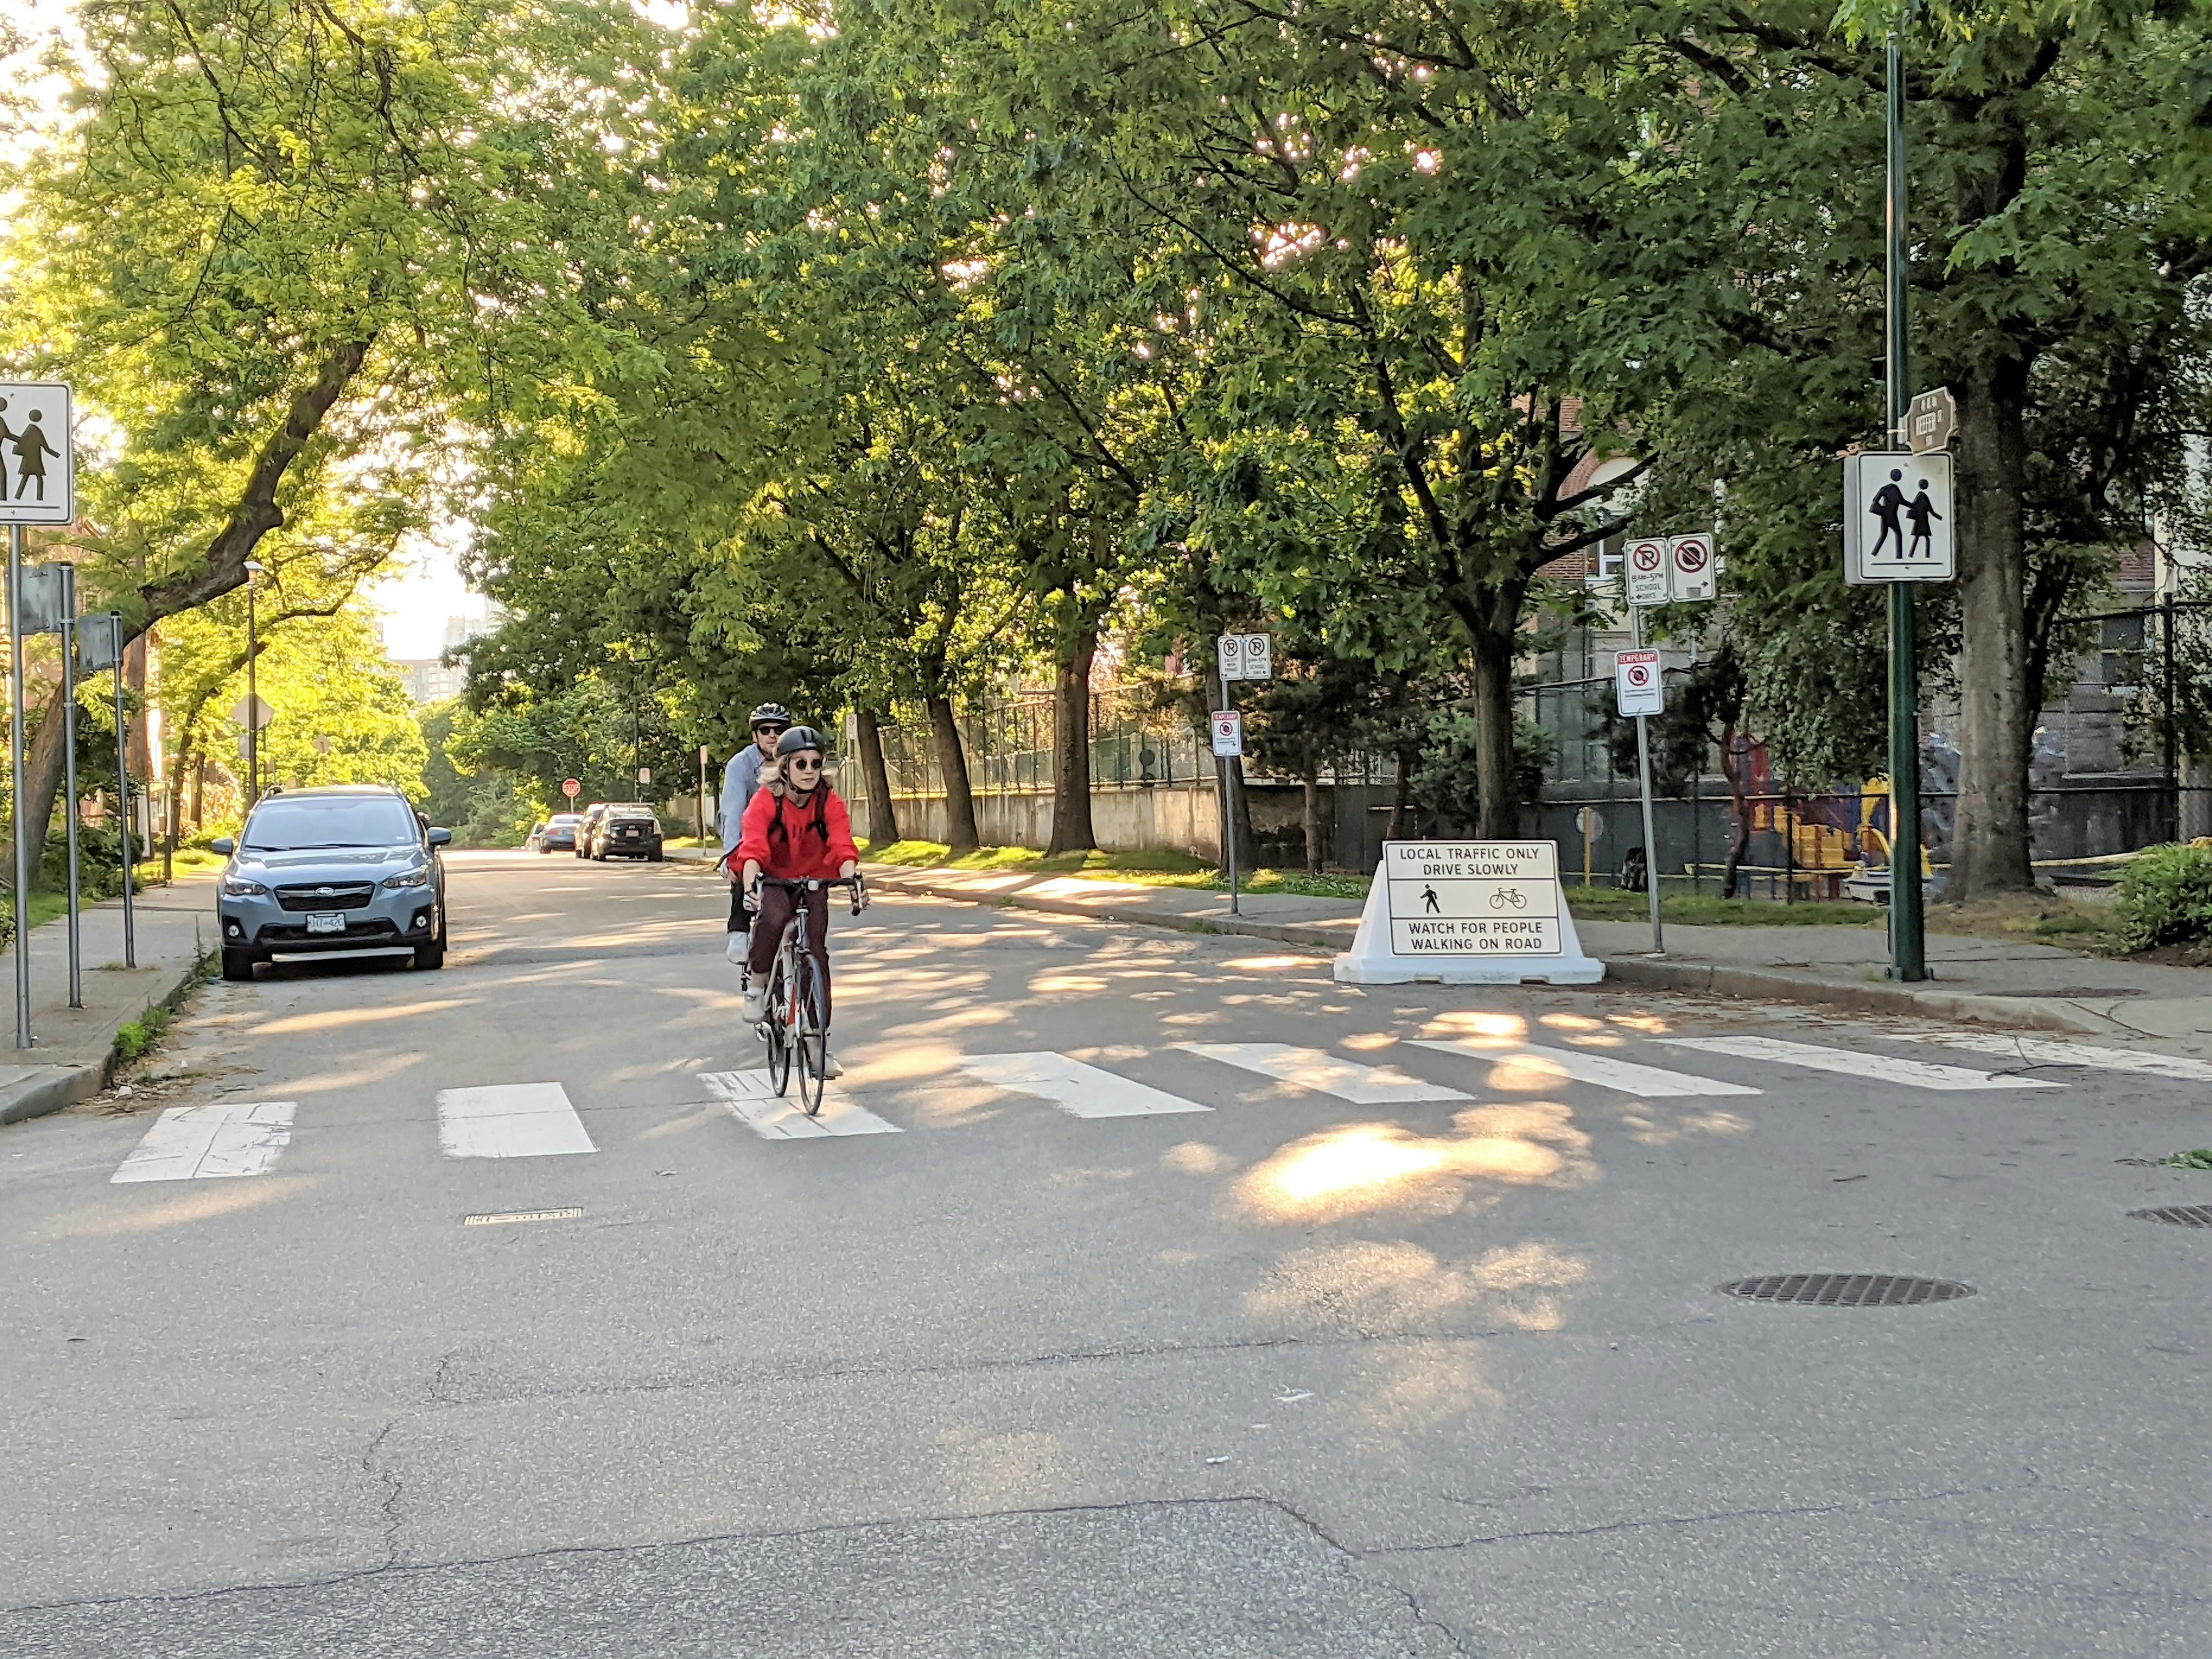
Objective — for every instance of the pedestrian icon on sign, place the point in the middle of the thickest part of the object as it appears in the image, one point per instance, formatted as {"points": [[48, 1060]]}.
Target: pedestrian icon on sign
{"points": [[1429, 902], [1887, 502], [1921, 511], [31, 451]]}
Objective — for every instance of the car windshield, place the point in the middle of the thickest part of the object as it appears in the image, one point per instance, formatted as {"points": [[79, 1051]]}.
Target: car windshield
{"points": [[298, 823]]}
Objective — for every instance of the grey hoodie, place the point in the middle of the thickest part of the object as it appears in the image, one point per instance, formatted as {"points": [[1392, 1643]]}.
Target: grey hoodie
{"points": [[740, 783]]}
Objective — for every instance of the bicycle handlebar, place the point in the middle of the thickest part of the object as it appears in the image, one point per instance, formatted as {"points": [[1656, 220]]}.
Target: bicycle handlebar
{"points": [[855, 883]]}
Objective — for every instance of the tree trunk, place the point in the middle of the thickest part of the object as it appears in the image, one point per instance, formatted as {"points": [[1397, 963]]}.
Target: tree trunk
{"points": [[1311, 805], [42, 770], [883, 812], [1071, 740], [952, 762], [1739, 812], [1497, 788], [199, 792], [1997, 715]]}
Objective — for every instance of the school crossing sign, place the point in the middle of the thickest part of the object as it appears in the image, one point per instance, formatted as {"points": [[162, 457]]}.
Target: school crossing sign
{"points": [[1467, 913]]}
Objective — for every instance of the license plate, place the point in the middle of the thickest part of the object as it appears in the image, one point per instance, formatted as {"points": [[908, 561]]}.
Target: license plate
{"points": [[326, 921]]}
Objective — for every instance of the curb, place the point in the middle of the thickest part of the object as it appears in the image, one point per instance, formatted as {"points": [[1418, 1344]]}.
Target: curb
{"points": [[65, 1086], [1639, 972]]}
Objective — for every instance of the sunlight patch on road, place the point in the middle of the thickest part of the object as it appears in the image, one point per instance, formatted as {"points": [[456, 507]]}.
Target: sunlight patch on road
{"points": [[1079, 984], [1570, 1022], [335, 1019], [1196, 1157], [1367, 1042], [1265, 965], [1364, 1168], [1654, 1125], [210, 1200], [1377, 1288], [1650, 1024], [369, 1071], [1479, 1024]]}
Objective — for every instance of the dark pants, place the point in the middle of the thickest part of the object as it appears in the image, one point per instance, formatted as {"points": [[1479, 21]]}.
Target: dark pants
{"points": [[739, 921], [776, 910]]}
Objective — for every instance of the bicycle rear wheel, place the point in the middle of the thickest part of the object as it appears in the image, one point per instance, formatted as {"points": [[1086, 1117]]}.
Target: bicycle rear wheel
{"points": [[773, 1028], [812, 1037]]}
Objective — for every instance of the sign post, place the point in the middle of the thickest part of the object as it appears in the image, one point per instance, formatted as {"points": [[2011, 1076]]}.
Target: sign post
{"points": [[69, 782], [1639, 691], [1240, 657], [99, 647], [1467, 913]]}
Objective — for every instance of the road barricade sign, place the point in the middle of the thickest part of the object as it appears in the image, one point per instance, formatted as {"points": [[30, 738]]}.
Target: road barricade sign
{"points": [[1467, 913]]}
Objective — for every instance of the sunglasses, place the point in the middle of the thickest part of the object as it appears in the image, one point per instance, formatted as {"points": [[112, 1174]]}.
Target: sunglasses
{"points": [[798, 765], [778, 730]]}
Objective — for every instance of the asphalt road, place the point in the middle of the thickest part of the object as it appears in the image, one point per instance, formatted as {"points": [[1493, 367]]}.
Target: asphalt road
{"points": [[1249, 1368]]}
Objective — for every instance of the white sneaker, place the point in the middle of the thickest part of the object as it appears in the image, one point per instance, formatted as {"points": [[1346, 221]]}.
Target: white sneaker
{"points": [[831, 1065], [737, 949], [756, 1007]]}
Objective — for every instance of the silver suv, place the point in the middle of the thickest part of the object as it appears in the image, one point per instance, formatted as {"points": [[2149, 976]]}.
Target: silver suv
{"points": [[320, 871]]}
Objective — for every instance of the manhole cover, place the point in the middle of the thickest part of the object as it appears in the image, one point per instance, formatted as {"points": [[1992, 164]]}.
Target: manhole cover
{"points": [[2180, 1215], [1847, 1290]]}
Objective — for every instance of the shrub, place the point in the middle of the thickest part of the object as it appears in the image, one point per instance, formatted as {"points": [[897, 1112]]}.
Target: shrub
{"points": [[2165, 897]]}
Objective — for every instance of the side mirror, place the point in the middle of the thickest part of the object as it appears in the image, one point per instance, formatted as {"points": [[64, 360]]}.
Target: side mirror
{"points": [[222, 844], [441, 838]]}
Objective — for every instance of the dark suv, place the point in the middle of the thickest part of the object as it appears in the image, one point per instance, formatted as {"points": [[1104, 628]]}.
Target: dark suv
{"points": [[629, 830]]}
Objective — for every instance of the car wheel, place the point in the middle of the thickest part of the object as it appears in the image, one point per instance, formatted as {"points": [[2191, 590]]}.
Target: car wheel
{"points": [[430, 956], [238, 965], [653, 857]]}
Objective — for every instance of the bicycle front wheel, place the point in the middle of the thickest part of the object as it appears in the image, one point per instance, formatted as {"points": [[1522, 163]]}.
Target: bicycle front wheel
{"points": [[812, 1037], [778, 1035]]}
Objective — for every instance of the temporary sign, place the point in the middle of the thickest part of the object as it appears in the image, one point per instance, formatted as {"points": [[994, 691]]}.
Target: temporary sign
{"points": [[571, 788], [1896, 519], [38, 460], [1690, 575], [1228, 732], [1247, 656], [1638, 688], [99, 642], [1647, 571], [44, 599], [1467, 913]]}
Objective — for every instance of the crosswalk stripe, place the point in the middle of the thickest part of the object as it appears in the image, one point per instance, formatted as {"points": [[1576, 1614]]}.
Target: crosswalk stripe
{"points": [[510, 1119], [1325, 1074], [1074, 1087], [2043, 1051], [1649, 1082], [753, 1100], [1882, 1068], [197, 1143]]}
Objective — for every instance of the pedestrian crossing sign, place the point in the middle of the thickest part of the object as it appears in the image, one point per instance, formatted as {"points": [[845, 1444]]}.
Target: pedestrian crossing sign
{"points": [[38, 461], [1467, 913], [1898, 519]]}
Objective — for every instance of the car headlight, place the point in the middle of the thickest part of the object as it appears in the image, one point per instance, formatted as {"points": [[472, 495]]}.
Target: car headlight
{"points": [[409, 878], [239, 887]]}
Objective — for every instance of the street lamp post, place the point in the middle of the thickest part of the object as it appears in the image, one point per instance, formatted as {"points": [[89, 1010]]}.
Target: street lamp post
{"points": [[253, 568]]}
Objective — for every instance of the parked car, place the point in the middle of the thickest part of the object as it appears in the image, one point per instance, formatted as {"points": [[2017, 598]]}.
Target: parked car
{"points": [[559, 833], [320, 871], [592, 814], [530, 841], [629, 830]]}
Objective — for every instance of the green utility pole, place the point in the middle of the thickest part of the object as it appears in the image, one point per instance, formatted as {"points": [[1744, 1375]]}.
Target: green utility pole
{"points": [[1908, 941]]}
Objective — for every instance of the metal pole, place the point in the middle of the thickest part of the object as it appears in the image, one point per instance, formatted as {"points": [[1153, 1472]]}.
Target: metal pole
{"points": [[15, 778], [1643, 779], [69, 782], [2173, 764], [252, 702], [1230, 766], [123, 800], [1907, 923]]}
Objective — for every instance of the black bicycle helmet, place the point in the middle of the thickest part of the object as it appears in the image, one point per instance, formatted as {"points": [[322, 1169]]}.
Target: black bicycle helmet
{"points": [[798, 737], [770, 713]]}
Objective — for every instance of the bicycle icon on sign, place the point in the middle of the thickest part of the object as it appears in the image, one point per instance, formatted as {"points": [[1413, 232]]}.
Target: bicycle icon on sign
{"points": [[1508, 898]]}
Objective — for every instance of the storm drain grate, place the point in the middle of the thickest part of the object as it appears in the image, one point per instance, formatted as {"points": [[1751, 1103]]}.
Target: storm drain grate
{"points": [[2180, 1215], [1847, 1290]]}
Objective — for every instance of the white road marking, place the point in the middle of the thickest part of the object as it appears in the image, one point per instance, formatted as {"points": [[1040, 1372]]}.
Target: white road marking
{"points": [[197, 1143], [510, 1119], [2043, 1051], [752, 1101], [1882, 1068], [1074, 1087], [1325, 1074], [1649, 1082]]}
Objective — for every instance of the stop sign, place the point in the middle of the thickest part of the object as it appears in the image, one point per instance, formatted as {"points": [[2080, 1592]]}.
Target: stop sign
{"points": [[571, 788]]}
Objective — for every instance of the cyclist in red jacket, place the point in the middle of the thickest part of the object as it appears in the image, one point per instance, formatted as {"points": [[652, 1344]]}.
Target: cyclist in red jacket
{"points": [[804, 829]]}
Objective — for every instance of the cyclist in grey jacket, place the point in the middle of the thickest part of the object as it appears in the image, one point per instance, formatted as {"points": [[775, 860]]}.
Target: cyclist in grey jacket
{"points": [[750, 769]]}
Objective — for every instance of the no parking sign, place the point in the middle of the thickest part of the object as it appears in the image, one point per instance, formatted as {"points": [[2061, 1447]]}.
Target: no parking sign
{"points": [[1638, 686], [1690, 568], [1647, 571]]}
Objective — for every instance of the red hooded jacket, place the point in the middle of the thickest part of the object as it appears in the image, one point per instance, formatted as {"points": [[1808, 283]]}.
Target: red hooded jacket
{"points": [[795, 842]]}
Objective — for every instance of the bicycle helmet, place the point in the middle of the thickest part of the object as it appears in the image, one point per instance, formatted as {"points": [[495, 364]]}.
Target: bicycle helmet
{"points": [[798, 737], [770, 713]]}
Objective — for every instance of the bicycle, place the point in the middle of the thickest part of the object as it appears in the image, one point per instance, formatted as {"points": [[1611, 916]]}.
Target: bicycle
{"points": [[793, 1023]]}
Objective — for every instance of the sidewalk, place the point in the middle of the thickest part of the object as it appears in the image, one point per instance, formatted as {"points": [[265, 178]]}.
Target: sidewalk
{"points": [[75, 1046], [1999, 982]]}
